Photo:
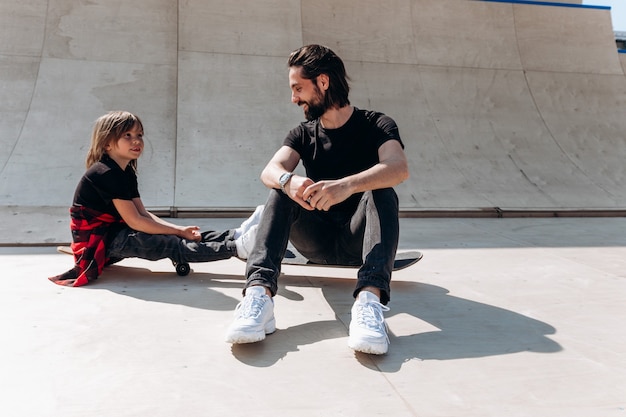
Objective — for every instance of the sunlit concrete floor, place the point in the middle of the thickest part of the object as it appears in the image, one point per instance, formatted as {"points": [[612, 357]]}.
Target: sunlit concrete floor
{"points": [[502, 317]]}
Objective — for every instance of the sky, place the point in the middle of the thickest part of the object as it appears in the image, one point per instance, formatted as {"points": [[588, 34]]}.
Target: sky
{"points": [[618, 12]]}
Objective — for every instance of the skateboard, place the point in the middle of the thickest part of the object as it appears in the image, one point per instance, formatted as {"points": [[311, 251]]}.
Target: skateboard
{"points": [[403, 259], [182, 269]]}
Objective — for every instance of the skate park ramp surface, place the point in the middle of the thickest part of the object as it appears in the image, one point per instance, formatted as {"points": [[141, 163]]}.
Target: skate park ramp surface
{"points": [[501, 105]]}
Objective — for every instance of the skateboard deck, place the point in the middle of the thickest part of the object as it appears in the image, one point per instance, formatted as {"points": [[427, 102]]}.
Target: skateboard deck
{"points": [[65, 249], [403, 259], [182, 269]]}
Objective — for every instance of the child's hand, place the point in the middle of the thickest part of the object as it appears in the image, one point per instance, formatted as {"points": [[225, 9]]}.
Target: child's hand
{"points": [[190, 233]]}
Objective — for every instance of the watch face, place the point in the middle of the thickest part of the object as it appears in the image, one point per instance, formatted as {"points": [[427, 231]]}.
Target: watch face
{"points": [[284, 178]]}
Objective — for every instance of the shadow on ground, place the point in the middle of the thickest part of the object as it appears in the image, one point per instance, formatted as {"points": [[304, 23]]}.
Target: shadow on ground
{"points": [[431, 324]]}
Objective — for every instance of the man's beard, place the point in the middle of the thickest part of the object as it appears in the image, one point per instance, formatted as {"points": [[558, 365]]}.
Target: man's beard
{"points": [[316, 107]]}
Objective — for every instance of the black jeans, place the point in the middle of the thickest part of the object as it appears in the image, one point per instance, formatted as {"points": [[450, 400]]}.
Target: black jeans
{"points": [[367, 237], [214, 246]]}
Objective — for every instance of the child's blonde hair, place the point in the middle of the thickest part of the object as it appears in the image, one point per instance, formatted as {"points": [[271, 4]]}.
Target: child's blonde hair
{"points": [[107, 129]]}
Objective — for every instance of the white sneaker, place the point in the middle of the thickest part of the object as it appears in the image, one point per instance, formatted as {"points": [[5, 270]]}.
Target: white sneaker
{"points": [[245, 242], [368, 330], [254, 317], [253, 220]]}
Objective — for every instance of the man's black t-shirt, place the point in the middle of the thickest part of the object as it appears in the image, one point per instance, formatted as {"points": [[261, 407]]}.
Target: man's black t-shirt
{"points": [[329, 154], [103, 182]]}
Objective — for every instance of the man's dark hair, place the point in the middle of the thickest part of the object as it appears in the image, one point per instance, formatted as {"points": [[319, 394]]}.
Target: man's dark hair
{"points": [[317, 59]]}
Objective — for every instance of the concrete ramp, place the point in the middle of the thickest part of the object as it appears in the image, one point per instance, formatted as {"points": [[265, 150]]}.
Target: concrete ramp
{"points": [[501, 105]]}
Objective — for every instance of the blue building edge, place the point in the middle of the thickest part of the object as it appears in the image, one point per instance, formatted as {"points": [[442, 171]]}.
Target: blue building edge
{"points": [[620, 40], [549, 3]]}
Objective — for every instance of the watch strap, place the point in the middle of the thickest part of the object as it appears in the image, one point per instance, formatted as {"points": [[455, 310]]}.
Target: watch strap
{"points": [[284, 179]]}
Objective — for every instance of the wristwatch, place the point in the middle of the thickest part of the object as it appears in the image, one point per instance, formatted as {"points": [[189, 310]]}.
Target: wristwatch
{"points": [[284, 179]]}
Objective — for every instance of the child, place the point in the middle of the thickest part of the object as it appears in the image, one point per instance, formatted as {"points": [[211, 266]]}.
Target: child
{"points": [[109, 221]]}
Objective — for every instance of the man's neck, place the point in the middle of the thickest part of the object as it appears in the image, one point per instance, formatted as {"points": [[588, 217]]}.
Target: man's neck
{"points": [[336, 117]]}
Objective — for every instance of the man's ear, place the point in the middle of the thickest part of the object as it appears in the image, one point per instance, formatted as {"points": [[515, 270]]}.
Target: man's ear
{"points": [[323, 82]]}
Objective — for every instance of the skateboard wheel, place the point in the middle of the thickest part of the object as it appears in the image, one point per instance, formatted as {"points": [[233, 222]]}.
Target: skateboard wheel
{"points": [[183, 269]]}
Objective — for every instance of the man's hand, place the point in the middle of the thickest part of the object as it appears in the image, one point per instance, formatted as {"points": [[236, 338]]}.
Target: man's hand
{"points": [[295, 190], [323, 195]]}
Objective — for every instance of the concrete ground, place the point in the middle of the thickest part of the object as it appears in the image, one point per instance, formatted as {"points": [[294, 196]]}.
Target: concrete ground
{"points": [[502, 317]]}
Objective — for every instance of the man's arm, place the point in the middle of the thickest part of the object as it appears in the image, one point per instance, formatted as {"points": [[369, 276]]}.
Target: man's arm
{"points": [[286, 160], [391, 170]]}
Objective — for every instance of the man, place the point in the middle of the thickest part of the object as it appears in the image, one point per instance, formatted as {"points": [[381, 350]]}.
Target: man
{"points": [[343, 212]]}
